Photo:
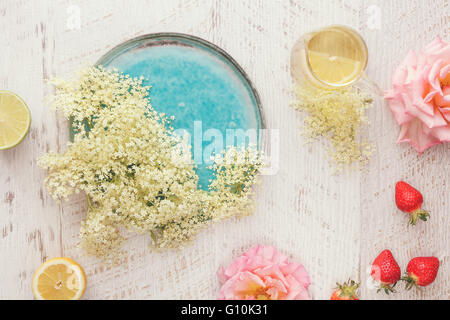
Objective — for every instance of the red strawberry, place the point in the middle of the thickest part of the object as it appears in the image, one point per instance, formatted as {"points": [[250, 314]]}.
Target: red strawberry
{"points": [[346, 291], [386, 271], [410, 200], [421, 271]]}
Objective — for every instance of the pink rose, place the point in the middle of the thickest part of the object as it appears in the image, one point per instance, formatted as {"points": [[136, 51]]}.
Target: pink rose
{"points": [[262, 273], [420, 98]]}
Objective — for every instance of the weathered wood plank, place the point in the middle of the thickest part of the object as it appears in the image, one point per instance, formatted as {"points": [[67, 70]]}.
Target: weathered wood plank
{"points": [[334, 225]]}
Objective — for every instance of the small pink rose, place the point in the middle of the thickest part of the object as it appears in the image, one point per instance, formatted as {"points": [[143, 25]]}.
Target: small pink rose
{"points": [[420, 97], [262, 273]]}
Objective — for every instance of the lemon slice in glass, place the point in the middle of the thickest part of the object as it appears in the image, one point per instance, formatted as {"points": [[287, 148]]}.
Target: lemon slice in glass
{"points": [[334, 69], [15, 119], [59, 279]]}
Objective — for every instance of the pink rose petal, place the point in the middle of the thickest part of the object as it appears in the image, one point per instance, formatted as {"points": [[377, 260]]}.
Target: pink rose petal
{"points": [[420, 97], [413, 133], [263, 272]]}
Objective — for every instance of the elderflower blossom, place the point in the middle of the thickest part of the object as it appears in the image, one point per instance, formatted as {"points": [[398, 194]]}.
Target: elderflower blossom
{"points": [[338, 115], [136, 173]]}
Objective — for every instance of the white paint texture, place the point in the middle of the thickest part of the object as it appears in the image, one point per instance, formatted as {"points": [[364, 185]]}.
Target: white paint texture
{"points": [[334, 225]]}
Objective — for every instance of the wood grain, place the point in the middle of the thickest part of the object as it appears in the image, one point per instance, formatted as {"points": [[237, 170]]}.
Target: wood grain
{"points": [[334, 225]]}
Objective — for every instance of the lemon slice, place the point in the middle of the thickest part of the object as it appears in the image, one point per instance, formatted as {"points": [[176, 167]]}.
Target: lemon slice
{"points": [[59, 279], [15, 119], [334, 69]]}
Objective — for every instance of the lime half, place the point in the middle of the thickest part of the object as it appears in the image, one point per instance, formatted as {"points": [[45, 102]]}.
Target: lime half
{"points": [[15, 119]]}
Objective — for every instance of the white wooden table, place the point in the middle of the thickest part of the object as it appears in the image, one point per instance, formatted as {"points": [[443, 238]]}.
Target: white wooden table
{"points": [[334, 225]]}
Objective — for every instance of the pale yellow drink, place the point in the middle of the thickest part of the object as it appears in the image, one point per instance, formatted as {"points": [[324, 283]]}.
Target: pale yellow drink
{"points": [[332, 57]]}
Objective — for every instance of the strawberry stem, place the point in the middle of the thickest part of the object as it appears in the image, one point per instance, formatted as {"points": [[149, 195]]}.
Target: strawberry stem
{"points": [[348, 289], [387, 288], [411, 282], [418, 214]]}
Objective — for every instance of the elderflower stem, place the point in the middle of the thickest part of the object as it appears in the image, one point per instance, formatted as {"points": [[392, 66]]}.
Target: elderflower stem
{"points": [[89, 202]]}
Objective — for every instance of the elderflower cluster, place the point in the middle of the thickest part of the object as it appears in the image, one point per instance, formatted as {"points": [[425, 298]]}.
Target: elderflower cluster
{"points": [[136, 173], [338, 115]]}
